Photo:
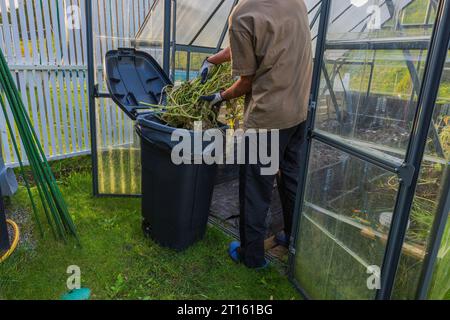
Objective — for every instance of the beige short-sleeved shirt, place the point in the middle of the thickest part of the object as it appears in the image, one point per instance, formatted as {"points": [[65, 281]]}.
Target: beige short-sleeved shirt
{"points": [[271, 40]]}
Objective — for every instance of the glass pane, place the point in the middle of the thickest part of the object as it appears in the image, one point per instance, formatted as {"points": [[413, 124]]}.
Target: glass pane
{"points": [[191, 16], [314, 18], [210, 36], [429, 195], [343, 228], [440, 286], [152, 31], [118, 151], [118, 147], [196, 63], [373, 72], [154, 49]]}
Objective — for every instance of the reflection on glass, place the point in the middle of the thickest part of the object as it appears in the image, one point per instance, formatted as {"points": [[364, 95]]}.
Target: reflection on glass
{"points": [[374, 60], [344, 224], [378, 19], [152, 32], [440, 286], [154, 49], [429, 195], [193, 22], [314, 7], [181, 65], [118, 152], [201, 23]]}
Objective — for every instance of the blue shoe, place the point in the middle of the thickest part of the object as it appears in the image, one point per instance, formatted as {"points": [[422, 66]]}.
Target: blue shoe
{"points": [[233, 251]]}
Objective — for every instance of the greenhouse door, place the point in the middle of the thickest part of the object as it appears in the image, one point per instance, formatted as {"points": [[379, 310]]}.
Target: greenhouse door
{"points": [[373, 98]]}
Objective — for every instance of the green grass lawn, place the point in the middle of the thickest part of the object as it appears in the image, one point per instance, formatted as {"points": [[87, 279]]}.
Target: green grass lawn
{"points": [[117, 262]]}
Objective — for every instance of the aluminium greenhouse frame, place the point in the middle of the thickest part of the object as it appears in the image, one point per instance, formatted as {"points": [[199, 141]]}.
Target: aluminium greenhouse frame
{"points": [[407, 172], [169, 50], [170, 32]]}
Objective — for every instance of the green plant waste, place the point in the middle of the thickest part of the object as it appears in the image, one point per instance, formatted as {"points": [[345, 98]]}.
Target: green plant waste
{"points": [[183, 106]]}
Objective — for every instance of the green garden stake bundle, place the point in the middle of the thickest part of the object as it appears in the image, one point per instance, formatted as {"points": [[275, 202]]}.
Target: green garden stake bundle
{"points": [[53, 203]]}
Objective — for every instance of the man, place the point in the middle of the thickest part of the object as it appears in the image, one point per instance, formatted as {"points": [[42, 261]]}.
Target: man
{"points": [[270, 50]]}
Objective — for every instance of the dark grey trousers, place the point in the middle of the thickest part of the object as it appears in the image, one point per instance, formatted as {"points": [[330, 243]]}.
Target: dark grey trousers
{"points": [[255, 194]]}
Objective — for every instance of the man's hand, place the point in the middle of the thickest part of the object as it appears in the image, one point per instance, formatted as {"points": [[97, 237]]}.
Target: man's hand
{"points": [[215, 100], [209, 63], [241, 87], [206, 70]]}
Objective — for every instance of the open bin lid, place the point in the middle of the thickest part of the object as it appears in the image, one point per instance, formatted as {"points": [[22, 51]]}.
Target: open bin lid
{"points": [[134, 77]]}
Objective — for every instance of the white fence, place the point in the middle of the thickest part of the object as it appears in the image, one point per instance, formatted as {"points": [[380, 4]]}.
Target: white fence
{"points": [[46, 50]]}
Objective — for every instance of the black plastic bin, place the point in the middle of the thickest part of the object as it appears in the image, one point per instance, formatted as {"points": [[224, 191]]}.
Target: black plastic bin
{"points": [[175, 198]]}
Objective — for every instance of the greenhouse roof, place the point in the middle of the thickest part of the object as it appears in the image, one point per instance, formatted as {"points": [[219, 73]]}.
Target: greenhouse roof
{"points": [[199, 22], [203, 23]]}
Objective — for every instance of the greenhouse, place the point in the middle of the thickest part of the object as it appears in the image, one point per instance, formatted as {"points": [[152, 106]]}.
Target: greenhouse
{"points": [[371, 218]]}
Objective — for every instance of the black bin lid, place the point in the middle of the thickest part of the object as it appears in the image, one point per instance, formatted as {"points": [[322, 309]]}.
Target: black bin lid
{"points": [[134, 77]]}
